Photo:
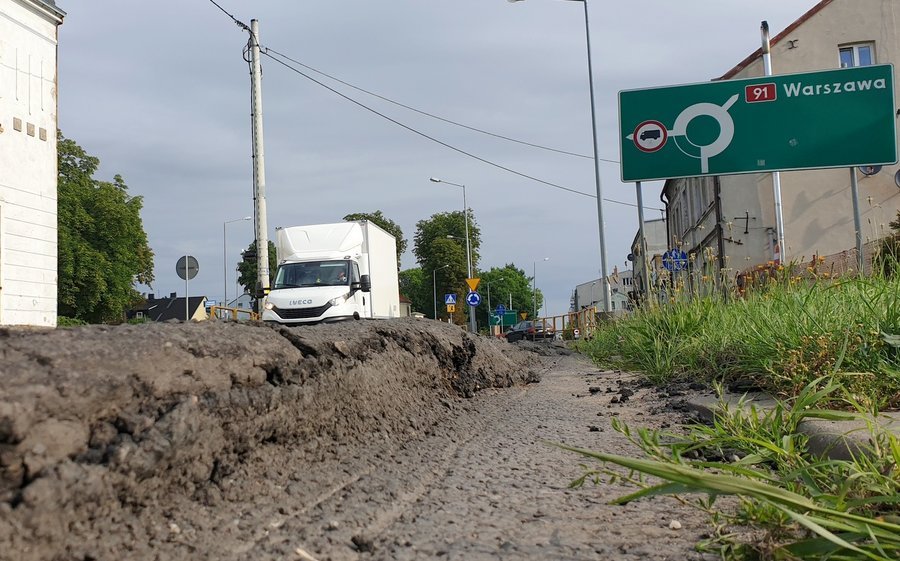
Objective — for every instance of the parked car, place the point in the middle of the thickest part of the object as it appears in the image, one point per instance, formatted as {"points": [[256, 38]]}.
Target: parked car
{"points": [[530, 330]]}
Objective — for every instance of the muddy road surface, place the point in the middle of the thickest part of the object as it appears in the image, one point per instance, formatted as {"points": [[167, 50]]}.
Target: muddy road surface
{"points": [[361, 440]]}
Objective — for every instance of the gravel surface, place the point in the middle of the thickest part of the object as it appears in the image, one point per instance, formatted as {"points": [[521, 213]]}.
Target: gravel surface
{"points": [[360, 440]]}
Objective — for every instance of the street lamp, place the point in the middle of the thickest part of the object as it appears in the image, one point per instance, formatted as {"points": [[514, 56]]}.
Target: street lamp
{"points": [[534, 287], [225, 256], [605, 278], [472, 327], [489, 305], [434, 286]]}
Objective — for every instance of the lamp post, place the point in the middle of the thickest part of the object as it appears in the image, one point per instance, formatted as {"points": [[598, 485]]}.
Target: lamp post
{"points": [[434, 286], [225, 256], [605, 278], [472, 327], [489, 306], [534, 287]]}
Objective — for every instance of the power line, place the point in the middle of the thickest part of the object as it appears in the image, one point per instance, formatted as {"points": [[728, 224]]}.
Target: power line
{"points": [[237, 22], [433, 116], [422, 134], [265, 51]]}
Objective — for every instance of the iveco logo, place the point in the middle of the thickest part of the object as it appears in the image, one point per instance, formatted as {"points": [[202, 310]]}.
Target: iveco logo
{"points": [[303, 302]]}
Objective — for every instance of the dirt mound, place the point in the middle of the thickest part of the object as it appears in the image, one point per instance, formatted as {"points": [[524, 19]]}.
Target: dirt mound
{"points": [[98, 423]]}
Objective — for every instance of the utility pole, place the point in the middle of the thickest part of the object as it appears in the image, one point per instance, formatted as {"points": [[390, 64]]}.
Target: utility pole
{"points": [[259, 168]]}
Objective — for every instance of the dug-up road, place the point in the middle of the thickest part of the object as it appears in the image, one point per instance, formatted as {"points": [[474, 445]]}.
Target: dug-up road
{"points": [[398, 440]]}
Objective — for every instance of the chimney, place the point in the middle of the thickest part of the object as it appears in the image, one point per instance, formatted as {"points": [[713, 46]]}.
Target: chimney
{"points": [[173, 295], [151, 297]]}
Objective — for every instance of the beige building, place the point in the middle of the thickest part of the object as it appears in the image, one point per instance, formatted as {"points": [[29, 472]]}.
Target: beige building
{"points": [[28, 169], [729, 222]]}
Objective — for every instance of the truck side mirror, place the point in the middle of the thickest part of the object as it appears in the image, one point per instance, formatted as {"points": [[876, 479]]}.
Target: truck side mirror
{"points": [[365, 283]]}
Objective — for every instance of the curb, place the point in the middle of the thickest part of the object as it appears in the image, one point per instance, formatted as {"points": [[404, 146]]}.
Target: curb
{"points": [[837, 440]]}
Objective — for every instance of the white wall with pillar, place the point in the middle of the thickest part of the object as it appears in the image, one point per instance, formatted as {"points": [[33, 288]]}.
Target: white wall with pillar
{"points": [[28, 162]]}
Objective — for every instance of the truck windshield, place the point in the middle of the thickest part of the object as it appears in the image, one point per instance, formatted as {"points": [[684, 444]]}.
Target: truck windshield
{"points": [[312, 273]]}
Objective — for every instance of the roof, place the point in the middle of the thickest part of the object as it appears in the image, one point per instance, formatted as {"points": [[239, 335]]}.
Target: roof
{"points": [[162, 309], [787, 31], [50, 6]]}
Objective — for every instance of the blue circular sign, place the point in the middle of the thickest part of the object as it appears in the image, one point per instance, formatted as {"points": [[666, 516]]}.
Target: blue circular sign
{"points": [[501, 309], [674, 260], [473, 299]]}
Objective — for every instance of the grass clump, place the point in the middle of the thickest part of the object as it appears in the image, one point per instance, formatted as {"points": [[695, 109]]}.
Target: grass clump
{"points": [[779, 338]]}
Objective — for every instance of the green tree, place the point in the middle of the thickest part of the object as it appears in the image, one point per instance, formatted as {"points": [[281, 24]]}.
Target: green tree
{"points": [[103, 249], [247, 268], [440, 245], [504, 282], [415, 286], [386, 224]]}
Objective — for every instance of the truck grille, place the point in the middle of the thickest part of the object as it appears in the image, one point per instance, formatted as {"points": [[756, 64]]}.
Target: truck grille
{"points": [[301, 313]]}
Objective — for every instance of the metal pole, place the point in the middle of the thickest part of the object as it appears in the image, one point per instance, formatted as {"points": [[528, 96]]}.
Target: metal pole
{"points": [[606, 288], [224, 266], [776, 176], [187, 294], [857, 221], [534, 290], [642, 238], [473, 326], [434, 290], [259, 168]]}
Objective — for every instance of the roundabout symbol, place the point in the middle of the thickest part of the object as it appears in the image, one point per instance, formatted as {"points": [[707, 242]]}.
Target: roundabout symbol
{"points": [[651, 135]]}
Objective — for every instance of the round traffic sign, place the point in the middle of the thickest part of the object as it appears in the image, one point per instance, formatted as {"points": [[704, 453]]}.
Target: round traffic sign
{"points": [[650, 136], [187, 267], [473, 299], [501, 309]]}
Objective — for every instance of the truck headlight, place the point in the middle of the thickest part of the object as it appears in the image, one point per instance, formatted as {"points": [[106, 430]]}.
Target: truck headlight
{"points": [[268, 305], [339, 300]]}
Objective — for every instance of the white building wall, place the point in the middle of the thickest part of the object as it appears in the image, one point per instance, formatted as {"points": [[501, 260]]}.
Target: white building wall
{"points": [[28, 163]]}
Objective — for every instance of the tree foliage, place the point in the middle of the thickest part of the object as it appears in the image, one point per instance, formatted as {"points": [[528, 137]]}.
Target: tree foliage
{"points": [[103, 249], [247, 269], [440, 248], [386, 224], [502, 282], [415, 286]]}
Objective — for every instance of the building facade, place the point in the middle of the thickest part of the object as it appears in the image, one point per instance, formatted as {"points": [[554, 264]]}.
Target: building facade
{"points": [[728, 223], [28, 162]]}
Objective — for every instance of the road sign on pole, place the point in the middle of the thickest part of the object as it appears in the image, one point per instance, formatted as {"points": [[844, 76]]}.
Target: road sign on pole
{"points": [[449, 299], [473, 299], [827, 119]]}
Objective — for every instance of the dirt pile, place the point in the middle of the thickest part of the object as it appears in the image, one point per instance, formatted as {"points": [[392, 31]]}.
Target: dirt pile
{"points": [[100, 423]]}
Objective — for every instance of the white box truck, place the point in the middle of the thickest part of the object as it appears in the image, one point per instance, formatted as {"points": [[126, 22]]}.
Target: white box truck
{"points": [[330, 272]]}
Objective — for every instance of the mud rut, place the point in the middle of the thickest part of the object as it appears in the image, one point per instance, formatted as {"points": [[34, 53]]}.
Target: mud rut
{"points": [[361, 440]]}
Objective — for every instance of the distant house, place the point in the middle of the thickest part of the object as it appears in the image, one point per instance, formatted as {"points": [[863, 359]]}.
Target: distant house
{"points": [[405, 306], [173, 307], [647, 269], [28, 162], [588, 294]]}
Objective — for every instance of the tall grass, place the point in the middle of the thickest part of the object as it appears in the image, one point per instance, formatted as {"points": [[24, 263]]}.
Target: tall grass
{"points": [[779, 338]]}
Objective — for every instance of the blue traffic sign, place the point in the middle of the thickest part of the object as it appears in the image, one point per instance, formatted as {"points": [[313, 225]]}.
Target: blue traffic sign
{"points": [[449, 299], [501, 309], [473, 299], [674, 260]]}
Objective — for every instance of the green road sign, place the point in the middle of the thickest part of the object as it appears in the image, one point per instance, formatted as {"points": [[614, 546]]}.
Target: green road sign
{"points": [[509, 318], [834, 118]]}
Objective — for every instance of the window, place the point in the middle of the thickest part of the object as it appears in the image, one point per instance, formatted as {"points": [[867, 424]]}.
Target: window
{"points": [[862, 54]]}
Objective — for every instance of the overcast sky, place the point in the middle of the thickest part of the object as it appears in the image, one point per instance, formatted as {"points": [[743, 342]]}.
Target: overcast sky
{"points": [[159, 91]]}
